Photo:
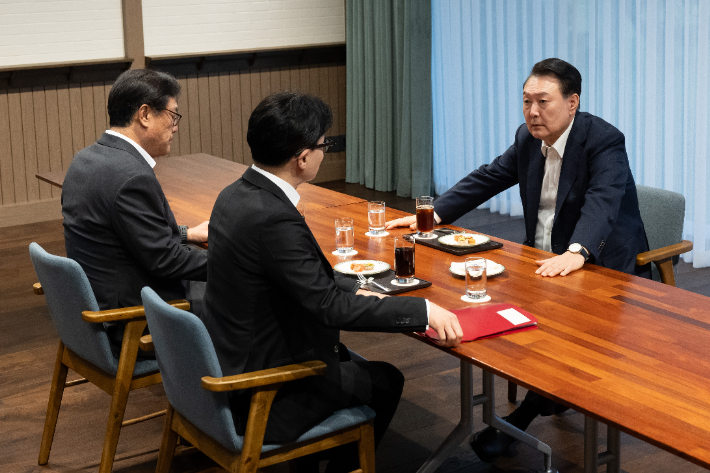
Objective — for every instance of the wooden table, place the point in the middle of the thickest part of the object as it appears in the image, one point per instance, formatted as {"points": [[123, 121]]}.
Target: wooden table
{"points": [[192, 183], [623, 350]]}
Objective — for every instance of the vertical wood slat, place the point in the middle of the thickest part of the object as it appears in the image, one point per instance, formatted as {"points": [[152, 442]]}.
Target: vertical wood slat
{"points": [[77, 118], [225, 100], [203, 90], [333, 100], [18, 147], [66, 135], [193, 99], [87, 103], [245, 86], [7, 181], [237, 134], [30, 144], [54, 142], [181, 139], [100, 113], [214, 113], [39, 115]]}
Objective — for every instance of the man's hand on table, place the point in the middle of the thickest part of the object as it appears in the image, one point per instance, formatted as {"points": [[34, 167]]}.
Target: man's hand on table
{"points": [[363, 292], [561, 264], [198, 234], [410, 222], [446, 325]]}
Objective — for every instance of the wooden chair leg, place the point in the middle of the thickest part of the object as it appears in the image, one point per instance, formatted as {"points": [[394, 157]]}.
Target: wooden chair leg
{"points": [[512, 391], [366, 448], [167, 444], [55, 400], [121, 388]]}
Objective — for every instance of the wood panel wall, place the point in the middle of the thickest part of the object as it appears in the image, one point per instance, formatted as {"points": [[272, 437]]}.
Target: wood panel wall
{"points": [[41, 128]]}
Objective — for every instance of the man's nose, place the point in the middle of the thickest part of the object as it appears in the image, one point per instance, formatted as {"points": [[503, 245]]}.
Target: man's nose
{"points": [[534, 109]]}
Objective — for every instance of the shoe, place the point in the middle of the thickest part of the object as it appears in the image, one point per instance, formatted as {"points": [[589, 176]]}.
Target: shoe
{"points": [[489, 444]]}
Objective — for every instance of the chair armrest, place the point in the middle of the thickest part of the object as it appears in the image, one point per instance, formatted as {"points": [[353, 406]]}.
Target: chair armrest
{"points": [[126, 313], [146, 343], [264, 377], [37, 289], [663, 253]]}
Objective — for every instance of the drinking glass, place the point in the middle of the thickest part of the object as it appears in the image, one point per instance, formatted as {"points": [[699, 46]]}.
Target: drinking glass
{"points": [[425, 216], [404, 259], [344, 235], [476, 278], [376, 217]]}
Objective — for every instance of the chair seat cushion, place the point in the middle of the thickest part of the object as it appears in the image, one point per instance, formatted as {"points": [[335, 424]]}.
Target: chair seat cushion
{"points": [[144, 367], [341, 419]]}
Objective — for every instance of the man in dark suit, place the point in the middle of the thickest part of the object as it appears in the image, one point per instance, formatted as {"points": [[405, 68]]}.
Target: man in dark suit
{"points": [[578, 194], [272, 298], [117, 222]]}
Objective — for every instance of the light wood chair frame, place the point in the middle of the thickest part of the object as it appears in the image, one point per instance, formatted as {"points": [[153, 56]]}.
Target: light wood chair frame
{"points": [[264, 385], [662, 258], [117, 386]]}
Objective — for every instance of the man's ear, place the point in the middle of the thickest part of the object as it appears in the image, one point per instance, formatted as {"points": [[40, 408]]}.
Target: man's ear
{"points": [[574, 103], [144, 114], [302, 159]]}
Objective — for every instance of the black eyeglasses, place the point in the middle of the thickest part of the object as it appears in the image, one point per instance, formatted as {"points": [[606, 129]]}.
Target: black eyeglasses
{"points": [[175, 116], [327, 143]]}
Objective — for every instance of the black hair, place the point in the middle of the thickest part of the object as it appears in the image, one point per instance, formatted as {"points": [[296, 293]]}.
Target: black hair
{"points": [[567, 75], [136, 87], [284, 124]]}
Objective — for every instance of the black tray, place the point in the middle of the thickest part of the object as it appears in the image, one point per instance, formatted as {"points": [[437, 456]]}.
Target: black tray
{"points": [[434, 243], [386, 280]]}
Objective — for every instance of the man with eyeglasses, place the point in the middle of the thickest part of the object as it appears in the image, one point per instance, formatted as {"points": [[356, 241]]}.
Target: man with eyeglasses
{"points": [[117, 222], [272, 298]]}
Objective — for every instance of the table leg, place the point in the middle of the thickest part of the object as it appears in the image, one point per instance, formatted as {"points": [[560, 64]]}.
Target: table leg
{"points": [[490, 418], [593, 459], [465, 427]]}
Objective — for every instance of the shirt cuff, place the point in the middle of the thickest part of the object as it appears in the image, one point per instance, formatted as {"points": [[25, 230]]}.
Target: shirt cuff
{"points": [[183, 234], [428, 309], [437, 219]]}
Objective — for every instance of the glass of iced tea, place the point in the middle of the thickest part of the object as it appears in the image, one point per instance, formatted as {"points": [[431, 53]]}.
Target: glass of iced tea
{"points": [[476, 278], [425, 216], [344, 235], [376, 217], [404, 259]]}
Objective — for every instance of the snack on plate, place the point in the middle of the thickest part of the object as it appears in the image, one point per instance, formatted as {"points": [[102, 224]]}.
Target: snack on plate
{"points": [[465, 239], [360, 267]]}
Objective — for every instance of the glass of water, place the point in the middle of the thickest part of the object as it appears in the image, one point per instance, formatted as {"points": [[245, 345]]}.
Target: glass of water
{"points": [[344, 235], [476, 278], [376, 217]]}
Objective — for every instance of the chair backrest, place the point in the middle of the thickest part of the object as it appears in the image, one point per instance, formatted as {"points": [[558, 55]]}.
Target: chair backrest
{"points": [[185, 354], [68, 293], [662, 213]]}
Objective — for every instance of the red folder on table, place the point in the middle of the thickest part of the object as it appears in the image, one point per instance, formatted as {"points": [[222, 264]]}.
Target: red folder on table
{"points": [[491, 320]]}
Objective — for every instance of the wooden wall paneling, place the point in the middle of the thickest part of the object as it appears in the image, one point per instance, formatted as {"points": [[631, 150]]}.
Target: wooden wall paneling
{"points": [[305, 77], [215, 115], [255, 95], [225, 107], [18, 147], [87, 105], [30, 143], [39, 103], [77, 118], [193, 100], [285, 77], [7, 181], [275, 79], [245, 78], [181, 139], [54, 140], [238, 132], [295, 79], [333, 101], [203, 90], [314, 80], [64, 106], [100, 112], [342, 84]]}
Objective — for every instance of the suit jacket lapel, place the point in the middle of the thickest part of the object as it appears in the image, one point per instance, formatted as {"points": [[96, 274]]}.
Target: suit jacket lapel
{"points": [[570, 161], [536, 171]]}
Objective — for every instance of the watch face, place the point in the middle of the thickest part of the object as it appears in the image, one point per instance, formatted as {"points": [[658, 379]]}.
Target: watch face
{"points": [[575, 248]]}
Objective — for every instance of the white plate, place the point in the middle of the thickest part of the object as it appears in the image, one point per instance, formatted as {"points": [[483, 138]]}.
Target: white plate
{"points": [[492, 268], [345, 267], [450, 240]]}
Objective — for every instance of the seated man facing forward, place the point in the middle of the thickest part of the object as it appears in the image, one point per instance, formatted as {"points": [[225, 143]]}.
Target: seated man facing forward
{"points": [[272, 298]]}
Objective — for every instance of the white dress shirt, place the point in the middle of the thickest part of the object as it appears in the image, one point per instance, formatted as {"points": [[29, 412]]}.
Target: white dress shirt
{"points": [[548, 194], [143, 152]]}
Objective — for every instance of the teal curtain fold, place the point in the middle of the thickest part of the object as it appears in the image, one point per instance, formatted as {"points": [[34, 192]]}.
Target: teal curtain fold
{"points": [[389, 107]]}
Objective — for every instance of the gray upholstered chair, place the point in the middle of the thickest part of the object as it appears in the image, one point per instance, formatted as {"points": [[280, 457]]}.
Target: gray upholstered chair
{"points": [[84, 348], [199, 409], [662, 213]]}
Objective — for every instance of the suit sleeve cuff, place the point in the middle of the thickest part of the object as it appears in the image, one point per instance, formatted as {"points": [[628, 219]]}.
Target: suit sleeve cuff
{"points": [[183, 233]]}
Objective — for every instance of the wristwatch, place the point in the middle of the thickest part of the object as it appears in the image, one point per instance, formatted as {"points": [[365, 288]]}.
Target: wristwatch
{"points": [[579, 249]]}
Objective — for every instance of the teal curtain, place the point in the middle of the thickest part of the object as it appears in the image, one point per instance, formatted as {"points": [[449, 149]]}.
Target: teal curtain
{"points": [[389, 111]]}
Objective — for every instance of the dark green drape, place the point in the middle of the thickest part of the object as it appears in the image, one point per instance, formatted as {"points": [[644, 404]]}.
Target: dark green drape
{"points": [[389, 111]]}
